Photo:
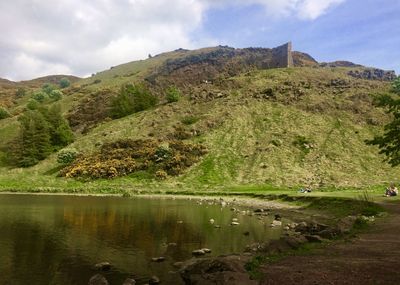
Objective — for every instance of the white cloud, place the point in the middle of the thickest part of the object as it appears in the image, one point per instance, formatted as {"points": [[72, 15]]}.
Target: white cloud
{"points": [[41, 37]]}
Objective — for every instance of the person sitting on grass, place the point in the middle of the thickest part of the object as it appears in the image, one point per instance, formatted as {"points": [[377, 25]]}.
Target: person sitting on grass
{"points": [[391, 191]]}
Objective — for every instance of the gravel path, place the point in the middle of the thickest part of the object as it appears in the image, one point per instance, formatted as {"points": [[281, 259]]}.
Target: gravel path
{"points": [[372, 258]]}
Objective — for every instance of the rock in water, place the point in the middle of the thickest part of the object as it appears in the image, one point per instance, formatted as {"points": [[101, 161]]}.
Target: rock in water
{"points": [[129, 281], [103, 266], [198, 252], [154, 280], [276, 223], [98, 279], [206, 250], [158, 259]]}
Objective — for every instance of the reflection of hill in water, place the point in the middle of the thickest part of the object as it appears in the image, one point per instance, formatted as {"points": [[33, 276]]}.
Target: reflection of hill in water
{"points": [[57, 240]]}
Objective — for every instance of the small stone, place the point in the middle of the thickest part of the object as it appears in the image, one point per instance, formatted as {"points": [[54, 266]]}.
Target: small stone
{"points": [[276, 223], [212, 221], [178, 264], [217, 226], [172, 244], [129, 281], [258, 210], [235, 224], [103, 266], [206, 250], [154, 280], [179, 222], [235, 220], [286, 228], [278, 217], [158, 259], [98, 279], [198, 252]]}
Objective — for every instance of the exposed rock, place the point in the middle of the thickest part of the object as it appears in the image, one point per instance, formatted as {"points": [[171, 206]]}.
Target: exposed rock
{"points": [[221, 270], [235, 223], [129, 281], [313, 238], [373, 74], [103, 266], [158, 259], [98, 279]]}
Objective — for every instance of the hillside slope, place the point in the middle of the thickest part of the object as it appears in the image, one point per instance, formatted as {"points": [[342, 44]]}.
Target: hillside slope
{"points": [[280, 127]]}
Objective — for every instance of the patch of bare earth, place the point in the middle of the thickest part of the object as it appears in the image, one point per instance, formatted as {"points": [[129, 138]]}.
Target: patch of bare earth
{"points": [[371, 258]]}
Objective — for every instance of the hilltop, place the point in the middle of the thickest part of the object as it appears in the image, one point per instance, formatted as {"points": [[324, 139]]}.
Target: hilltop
{"points": [[266, 117]]}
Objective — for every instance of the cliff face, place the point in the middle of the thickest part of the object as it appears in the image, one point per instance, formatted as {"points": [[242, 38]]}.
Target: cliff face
{"points": [[211, 64]]}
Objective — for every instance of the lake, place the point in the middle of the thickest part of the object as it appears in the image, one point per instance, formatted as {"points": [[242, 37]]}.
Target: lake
{"points": [[55, 239]]}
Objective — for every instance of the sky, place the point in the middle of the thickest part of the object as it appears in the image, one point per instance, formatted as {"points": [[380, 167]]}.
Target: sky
{"points": [[81, 37]]}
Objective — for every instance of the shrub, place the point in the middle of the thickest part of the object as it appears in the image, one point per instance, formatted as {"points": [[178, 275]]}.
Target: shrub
{"points": [[189, 120], [161, 175], [40, 96], [303, 144], [396, 85], [4, 113], [32, 104], [21, 92], [66, 156], [55, 95], [97, 81], [47, 88], [173, 94], [147, 157], [64, 83]]}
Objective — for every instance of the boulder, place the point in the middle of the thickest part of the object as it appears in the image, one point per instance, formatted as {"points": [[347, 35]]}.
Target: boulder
{"points": [[220, 270]]}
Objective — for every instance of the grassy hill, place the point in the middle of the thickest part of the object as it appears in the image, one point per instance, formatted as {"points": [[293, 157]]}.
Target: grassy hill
{"points": [[276, 127]]}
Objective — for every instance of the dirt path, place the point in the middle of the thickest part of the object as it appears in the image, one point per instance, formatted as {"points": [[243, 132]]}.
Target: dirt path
{"points": [[372, 258]]}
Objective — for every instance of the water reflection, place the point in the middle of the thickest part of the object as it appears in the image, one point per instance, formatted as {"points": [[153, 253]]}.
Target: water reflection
{"points": [[58, 239]]}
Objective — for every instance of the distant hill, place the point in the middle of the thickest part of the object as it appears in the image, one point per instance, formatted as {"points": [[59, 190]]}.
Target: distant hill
{"points": [[264, 118]]}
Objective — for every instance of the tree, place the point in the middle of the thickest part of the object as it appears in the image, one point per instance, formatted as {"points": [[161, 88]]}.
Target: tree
{"points": [[64, 83], [59, 130], [34, 139], [132, 99], [389, 141], [42, 132]]}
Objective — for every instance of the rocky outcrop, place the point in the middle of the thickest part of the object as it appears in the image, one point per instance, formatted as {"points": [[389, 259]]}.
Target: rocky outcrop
{"points": [[373, 74], [212, 64], [339, 63]]}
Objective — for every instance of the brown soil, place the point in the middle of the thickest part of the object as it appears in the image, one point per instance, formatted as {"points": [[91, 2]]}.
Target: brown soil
{"points": [[371, 258]]}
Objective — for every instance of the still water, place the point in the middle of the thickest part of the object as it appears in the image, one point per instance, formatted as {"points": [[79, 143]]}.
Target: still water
{"points": [[59, 239]]}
